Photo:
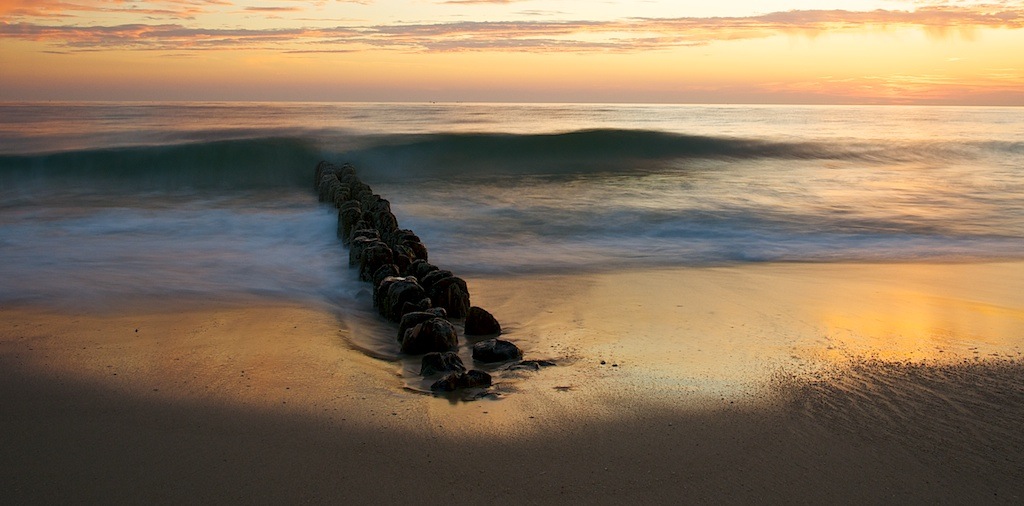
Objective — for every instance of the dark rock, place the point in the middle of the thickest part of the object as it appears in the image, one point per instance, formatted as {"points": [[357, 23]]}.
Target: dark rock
{"points": [[364, 232], [415, 307], [412, 319], [352, 205], [343, 231], [385, 221], [329, 188], [382, 291], [350, 179], [449, 383], [455, 381], [399, 236], [374, 257], [346, 171], [356, 248], [361, 230], [334, 189], [475, 379], [530, 365], [435, 362], [451, 293], [409, 242], [496, 350], [378, 204], [324, 185], [348, 215], [360, 190], [318, 175], [481, 323], [395, 293], [420, 268], [435, 334], [418, 249], [343, 195], [385, 271], [367, 219], [403, 256], [434, 276]]}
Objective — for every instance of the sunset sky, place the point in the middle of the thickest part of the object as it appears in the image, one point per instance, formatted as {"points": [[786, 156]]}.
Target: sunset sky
{"points": [[767, 51]]}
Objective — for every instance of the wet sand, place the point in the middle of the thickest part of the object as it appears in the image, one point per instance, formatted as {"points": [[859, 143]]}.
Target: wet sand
{"points": [[774, 383]]}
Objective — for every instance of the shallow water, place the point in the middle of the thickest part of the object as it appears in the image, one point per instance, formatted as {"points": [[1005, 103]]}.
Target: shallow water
{"points": [[513, 188], [94, 252]]}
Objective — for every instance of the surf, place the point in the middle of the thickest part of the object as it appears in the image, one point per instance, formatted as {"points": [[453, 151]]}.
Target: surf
{"points": [[224, 164]]}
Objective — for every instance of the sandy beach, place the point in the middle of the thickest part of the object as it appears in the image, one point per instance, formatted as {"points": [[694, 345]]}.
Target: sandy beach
{"points": [[766, 383]]}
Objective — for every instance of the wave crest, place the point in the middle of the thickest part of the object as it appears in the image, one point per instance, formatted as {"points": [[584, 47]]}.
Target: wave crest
{"points": [[271, 162], [244, 163], [600, 150]]}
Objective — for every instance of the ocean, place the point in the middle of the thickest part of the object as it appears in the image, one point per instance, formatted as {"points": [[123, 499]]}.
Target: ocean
{"points": [[107, 204]]}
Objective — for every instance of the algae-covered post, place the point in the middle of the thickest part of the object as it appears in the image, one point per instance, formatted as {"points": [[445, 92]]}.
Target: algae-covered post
{"points": [[407, 288]]}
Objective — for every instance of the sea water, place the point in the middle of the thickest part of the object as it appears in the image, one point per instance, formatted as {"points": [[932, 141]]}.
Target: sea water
{"points": [[102, 204]]}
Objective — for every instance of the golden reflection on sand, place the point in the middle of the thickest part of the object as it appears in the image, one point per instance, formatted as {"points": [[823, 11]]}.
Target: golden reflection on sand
{"points": [[928, 312], [709, 332], [623, 341]]}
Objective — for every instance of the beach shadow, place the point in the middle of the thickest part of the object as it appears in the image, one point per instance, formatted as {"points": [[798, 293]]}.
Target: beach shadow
{"points": [[825, 442]]}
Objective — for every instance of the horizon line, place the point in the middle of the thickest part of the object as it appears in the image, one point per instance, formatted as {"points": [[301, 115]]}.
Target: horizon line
{"points": [[508, 102]]}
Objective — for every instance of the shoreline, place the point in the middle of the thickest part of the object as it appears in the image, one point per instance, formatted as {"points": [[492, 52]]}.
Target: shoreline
{"points": [[263, 401]]}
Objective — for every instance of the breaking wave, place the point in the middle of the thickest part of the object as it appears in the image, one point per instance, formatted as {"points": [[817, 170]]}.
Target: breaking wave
{"points": [[583, 151], [224, 164], [287, 161]]}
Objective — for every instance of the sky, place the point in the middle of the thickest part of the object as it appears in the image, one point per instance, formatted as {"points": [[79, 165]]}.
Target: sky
{"points": [[953, 52]]}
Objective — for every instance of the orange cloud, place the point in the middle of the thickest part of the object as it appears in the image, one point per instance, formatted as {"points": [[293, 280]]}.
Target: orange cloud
{"points": [[159, 37], [638, 34], [274, 9], [35, 8], [182, 9]]}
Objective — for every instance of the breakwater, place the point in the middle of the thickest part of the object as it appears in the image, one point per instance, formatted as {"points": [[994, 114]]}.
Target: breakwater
{"points": [[424, 300]]}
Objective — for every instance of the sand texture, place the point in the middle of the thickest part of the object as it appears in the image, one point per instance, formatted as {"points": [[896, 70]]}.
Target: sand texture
{"points": [[776, 383]]}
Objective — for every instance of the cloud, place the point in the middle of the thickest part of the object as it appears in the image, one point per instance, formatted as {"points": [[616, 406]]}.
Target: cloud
{"points": [[633, 34], [179, 9], [163, 37], [34, 8], [274, 9], [541, 13]]}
